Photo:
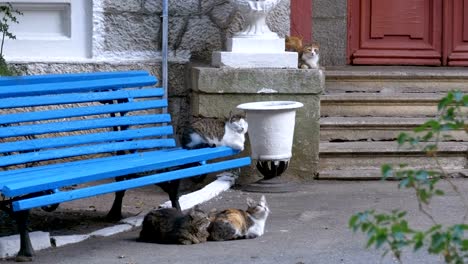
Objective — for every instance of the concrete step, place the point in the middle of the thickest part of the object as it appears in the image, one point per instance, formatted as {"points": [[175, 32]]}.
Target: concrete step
{"points": [[379, 104], [372, 155], [371, 174], [395, 79], [334, 129]]}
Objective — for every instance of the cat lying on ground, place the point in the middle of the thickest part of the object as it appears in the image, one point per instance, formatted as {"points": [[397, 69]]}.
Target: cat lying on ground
{"points": [[170, 226], [238, 224]]}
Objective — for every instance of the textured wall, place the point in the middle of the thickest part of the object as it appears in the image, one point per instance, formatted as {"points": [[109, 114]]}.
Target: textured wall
{"points": [[127, 35], [329, 20]]}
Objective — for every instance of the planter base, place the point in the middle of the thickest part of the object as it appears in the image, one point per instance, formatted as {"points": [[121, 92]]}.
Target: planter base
{"points": [[275, 185]]}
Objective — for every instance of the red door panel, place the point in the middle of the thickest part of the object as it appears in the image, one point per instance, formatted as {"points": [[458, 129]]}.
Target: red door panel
{"points": [[404, 32], [456, 28]]}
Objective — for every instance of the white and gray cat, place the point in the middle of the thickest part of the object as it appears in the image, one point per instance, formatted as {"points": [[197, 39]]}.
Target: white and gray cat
{"points": [[309, 57], [215, 132], [232, 224]]}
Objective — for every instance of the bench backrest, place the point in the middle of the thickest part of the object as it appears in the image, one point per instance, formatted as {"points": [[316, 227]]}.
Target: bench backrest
{"points": [[50, 117]]}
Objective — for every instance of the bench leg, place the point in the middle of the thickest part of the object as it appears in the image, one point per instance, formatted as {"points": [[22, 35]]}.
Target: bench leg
{"points": [[26, 251], [115, 213], [172, 189]]}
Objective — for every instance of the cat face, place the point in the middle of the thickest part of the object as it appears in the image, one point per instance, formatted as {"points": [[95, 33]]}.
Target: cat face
{"points": [[199, 218], [238, 124], [259, 210], [311, 50]]}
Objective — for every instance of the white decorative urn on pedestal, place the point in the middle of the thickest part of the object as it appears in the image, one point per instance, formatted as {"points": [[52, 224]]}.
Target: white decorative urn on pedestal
{"points": [[271, 134], [255, 46]]}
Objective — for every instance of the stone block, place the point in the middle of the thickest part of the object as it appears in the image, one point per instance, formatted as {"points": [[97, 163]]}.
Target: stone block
{"points": [[257, 81], [217, 91], [10, 245], [221, 15], [254, 60], [176, 7], [251, 45], [131, 32], [304, 163], [278, 20], [329, 9], [122, 5], [201, 37], [331, 34]]}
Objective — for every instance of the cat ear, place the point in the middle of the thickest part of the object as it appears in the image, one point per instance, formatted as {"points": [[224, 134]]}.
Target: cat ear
{"points": [[251, 202], [263, 200]]}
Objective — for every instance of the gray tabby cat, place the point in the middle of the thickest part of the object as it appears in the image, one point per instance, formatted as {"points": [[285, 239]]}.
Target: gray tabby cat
{"points": [[237, 224], [170, 226], [215, 132]]}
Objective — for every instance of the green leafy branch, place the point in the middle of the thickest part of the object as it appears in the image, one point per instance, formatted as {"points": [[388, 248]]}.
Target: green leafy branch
{"points": [[9, 17], [392, 230]]}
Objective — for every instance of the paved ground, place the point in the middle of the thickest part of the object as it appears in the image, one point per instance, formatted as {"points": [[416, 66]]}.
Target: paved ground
{"points": [[307, 226]]}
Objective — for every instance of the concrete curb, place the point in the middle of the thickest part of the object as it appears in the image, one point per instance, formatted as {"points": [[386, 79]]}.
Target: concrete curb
{"points": [[10, 245]]}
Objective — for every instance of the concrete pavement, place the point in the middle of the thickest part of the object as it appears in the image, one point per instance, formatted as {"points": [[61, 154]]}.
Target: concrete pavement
{"points": [[307, 226]]}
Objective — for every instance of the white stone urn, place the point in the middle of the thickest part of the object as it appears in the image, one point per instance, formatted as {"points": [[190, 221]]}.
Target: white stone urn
{"points": [[255, 13], [271, 133]]}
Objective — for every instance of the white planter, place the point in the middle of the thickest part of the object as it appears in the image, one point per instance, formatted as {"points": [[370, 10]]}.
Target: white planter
{"points": [[271, 128]]}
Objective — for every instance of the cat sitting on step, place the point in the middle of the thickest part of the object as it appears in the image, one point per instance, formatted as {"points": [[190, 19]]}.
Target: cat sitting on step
{"points": [[238, 224], [170, 226], [309, 57], [214, 132], [308, 54]]}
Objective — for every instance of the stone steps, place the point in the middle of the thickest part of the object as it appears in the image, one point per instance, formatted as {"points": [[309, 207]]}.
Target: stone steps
{"points": [[364, 109], [372, 174], [377, 104], [372, 155], [336, 129], [398, 79]]}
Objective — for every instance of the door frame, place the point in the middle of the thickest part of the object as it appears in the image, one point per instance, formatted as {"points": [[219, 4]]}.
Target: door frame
{"points": [[447, 34]]}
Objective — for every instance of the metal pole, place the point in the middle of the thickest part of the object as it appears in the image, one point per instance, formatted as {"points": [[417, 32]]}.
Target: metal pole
{"points": [[165, 32]]}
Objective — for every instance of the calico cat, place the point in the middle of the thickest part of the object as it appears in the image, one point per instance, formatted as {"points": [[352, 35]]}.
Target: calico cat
{"points": [[238, 224], [214, 132], [309, 57], [170, 226]]}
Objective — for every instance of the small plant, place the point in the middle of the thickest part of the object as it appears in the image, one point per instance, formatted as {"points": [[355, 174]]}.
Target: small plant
{"points": [[6, 9], [392, 231]]}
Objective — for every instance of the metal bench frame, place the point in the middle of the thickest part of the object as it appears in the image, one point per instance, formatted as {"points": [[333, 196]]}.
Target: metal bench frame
{"points": [[60, 131]]}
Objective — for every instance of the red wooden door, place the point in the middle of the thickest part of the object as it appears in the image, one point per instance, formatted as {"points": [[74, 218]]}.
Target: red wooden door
{"points": [[456, 32], [403, 32]]}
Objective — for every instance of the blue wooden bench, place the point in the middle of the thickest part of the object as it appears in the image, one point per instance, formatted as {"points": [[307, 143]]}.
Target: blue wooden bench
{"points": [[58, 132]]}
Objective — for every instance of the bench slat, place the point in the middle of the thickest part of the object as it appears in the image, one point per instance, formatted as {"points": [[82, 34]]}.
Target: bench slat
{"points": [[87, 124], [76, 86], [85, 150], [128, 184], [51, 78], [33, 144], [28, 101], [82, 111], [148, 161]]}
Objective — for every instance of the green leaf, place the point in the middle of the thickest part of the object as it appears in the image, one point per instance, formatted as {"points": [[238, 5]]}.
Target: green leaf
{"points": [[439, 192], [402, 137], [387, 171]]}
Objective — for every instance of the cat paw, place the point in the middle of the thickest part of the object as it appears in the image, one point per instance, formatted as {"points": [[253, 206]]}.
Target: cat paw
{"points": [[303, 66]]}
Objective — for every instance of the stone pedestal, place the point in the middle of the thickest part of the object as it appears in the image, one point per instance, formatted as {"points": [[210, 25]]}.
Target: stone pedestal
{"points": [[255, 53], [217, 91]]}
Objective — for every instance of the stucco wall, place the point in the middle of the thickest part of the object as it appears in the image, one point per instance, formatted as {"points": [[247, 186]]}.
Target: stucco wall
{"points": [[329, 20], [127, 35]]}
